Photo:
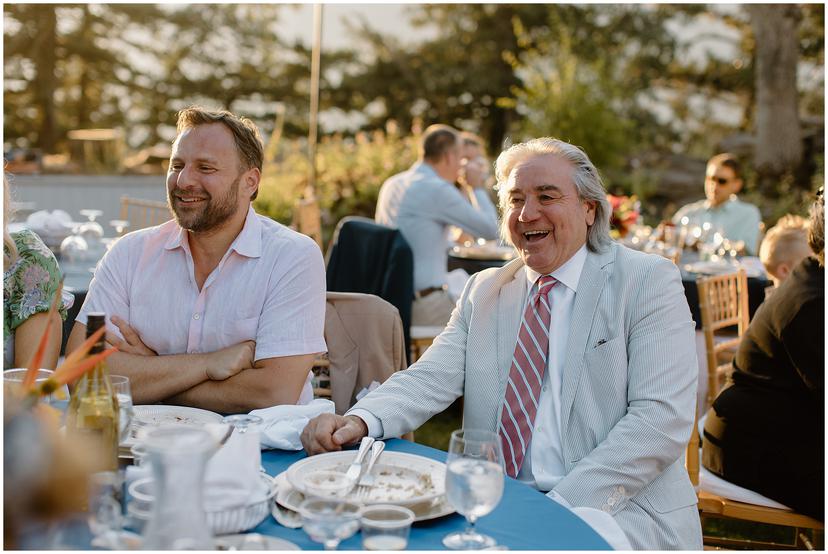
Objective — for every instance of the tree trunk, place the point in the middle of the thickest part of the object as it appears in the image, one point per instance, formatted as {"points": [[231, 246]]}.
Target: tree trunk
{"points": [[778, 134], [44, 81]]}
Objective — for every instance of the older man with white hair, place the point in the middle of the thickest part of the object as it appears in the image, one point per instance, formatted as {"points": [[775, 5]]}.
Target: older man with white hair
{"points": [[579, 354]]}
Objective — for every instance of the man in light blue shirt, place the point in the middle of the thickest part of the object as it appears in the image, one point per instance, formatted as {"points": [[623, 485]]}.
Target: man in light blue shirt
{"points": [[737, 220], [423, 204]]}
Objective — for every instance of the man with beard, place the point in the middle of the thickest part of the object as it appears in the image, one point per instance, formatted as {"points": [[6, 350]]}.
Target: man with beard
{"points": [[220, 308]]}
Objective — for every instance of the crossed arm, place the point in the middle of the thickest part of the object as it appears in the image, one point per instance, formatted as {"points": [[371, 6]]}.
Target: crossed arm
{"points": [[226, 380]]}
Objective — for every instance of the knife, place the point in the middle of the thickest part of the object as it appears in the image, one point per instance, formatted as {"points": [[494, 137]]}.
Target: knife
{"points": [[355, 469]]}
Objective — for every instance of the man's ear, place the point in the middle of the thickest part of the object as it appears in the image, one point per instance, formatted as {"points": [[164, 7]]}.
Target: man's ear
{"points": [[251, 181], [590, 212]]}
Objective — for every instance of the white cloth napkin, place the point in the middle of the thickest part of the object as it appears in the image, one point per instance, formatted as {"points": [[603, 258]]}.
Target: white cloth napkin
{"points": [[605, 525], [232, 476], [283, 424]]}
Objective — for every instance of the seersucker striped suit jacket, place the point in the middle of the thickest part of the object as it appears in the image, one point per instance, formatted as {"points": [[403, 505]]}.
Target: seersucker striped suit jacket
{"points": [[628, 388]]}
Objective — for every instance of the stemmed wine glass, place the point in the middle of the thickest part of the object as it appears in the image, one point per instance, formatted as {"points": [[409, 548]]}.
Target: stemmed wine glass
{"points": [[120, 226], [474, 483]]}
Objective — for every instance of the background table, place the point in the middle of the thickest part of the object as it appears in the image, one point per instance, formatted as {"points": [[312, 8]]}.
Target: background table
{"points": [[756, 293], [756, 285], [525, 519]]}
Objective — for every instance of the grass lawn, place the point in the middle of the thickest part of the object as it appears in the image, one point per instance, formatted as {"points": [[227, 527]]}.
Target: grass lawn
{"points": [[436, 431]]}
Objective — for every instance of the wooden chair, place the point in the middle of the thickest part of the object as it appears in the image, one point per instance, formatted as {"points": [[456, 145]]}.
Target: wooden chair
{"points": [[421, 338], [713, 506], [365, 341], [723, 300], [144, 213]]}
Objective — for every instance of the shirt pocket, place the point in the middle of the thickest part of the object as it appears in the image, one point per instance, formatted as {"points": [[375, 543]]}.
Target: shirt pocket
{"points": [[239, 330]]}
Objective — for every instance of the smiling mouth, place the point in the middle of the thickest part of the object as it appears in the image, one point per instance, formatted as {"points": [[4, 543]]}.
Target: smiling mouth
{"points": [[535, 236], [189, 200]]}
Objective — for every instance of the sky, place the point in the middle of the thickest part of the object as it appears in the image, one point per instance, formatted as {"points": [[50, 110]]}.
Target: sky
{"points": [[296, 22]]}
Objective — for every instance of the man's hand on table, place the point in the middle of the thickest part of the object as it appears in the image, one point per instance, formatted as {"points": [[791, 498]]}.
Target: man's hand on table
{"points": [[328, 432]]}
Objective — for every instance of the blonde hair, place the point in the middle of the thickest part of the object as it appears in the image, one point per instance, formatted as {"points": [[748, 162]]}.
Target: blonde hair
{"points": [[787, 241], [9, 248]]}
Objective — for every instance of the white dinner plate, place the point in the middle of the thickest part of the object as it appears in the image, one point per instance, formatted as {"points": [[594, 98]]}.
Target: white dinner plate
{"points": [[158, 414], [400, 478], [153, 415], [722, 266], [290, 498]]}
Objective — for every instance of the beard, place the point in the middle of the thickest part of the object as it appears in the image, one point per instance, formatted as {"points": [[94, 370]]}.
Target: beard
{"points": [[212, 215]]}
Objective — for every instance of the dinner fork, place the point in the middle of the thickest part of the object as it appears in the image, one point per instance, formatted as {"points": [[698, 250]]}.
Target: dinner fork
{"points": [[367, 480]]}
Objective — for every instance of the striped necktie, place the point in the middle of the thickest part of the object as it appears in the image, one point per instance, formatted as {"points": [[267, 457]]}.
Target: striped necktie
{"points": [[525, 377]]}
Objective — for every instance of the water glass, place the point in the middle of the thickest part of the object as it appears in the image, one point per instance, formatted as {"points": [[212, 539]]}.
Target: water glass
{"points": [[122, 390], [474, 483], [329, 521], [385, 527], [13, 379]]}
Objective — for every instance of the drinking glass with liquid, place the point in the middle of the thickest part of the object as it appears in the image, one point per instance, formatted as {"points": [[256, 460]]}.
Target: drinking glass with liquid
{"points": [[474, 483]]}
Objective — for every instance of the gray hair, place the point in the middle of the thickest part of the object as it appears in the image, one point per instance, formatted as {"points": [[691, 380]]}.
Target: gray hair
{"points": [[585, 177]]}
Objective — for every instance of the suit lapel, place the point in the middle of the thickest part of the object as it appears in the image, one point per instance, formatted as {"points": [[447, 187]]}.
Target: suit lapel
{"points": [[592, 281], [509, 312]]}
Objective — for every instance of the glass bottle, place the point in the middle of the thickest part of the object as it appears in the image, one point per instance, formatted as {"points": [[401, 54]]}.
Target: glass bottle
{"points": [[93, 408], [178, 455]]}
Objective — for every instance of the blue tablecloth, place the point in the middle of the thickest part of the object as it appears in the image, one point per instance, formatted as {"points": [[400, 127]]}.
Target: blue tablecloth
{"points": [[525, 519]]}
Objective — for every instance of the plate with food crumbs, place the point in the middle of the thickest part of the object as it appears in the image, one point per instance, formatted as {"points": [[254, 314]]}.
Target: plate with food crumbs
{"points": [[153, 415], [289, 499], [399, 478]]}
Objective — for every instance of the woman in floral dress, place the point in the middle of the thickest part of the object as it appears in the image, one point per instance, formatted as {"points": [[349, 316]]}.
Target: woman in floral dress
{"points": [[30, 279]]}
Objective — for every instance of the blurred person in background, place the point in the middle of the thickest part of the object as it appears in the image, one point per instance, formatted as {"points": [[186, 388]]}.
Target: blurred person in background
{"points": [[765, 431], [474, 174], [423, 203], [739, 221], [30, 279], [220, 308], [784, 246]]}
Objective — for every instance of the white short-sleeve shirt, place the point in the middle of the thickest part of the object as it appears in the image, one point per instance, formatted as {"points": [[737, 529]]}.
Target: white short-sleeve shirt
{"points": [[269, 287]]}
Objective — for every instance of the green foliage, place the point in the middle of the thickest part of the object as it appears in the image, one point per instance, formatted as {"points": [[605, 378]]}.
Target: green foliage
{"points": [[350, 172], [572, 100]]}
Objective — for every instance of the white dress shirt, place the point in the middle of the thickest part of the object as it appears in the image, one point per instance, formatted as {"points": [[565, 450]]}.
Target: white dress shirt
{"points": [[543, 466], [269, 288]]}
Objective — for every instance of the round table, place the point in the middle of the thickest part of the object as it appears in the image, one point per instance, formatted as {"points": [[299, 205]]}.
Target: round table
{"points": [[525, 519]]}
